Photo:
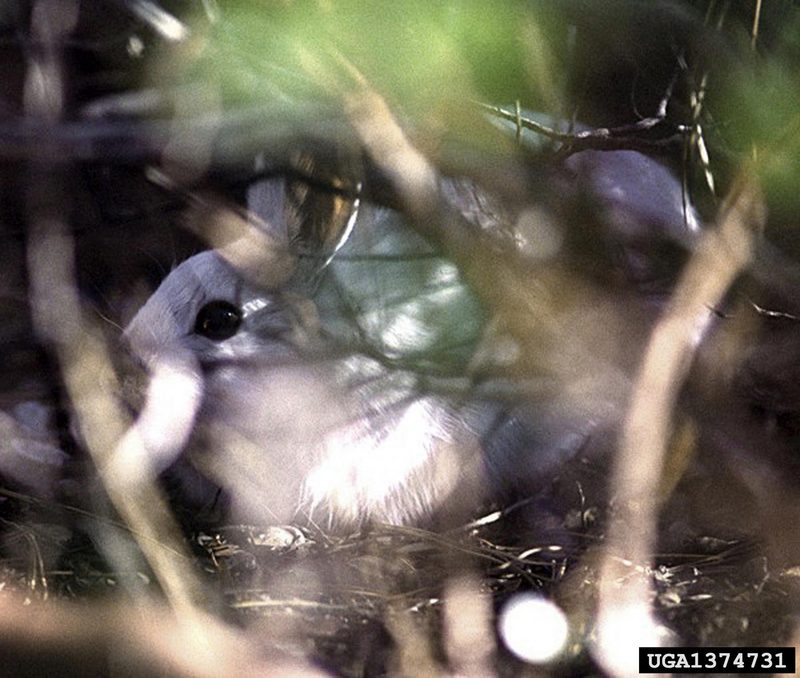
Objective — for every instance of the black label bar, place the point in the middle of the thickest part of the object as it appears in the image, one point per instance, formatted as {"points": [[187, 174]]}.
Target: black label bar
{"points": [[717, 660]]}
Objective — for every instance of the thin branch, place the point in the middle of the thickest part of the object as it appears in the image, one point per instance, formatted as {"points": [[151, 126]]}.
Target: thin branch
{"points": [[600, 138]]}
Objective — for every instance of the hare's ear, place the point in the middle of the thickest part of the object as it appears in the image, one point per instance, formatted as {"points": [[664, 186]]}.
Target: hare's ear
{"points": [[267, 204]]}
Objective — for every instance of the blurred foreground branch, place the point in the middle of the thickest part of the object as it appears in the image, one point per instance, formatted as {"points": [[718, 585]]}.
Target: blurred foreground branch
{"points": [[80, 348], [70, 640], [625, 619]]}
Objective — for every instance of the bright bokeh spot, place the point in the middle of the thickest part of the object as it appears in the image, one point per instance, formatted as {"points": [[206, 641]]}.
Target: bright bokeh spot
{"points": [[533, 628]]}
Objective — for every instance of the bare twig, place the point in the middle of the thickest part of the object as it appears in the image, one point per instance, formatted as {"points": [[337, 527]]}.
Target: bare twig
{"points": [[600, 138]]}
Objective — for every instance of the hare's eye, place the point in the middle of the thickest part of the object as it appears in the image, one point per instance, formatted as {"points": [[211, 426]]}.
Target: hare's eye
{"points": [[218, 320]]}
